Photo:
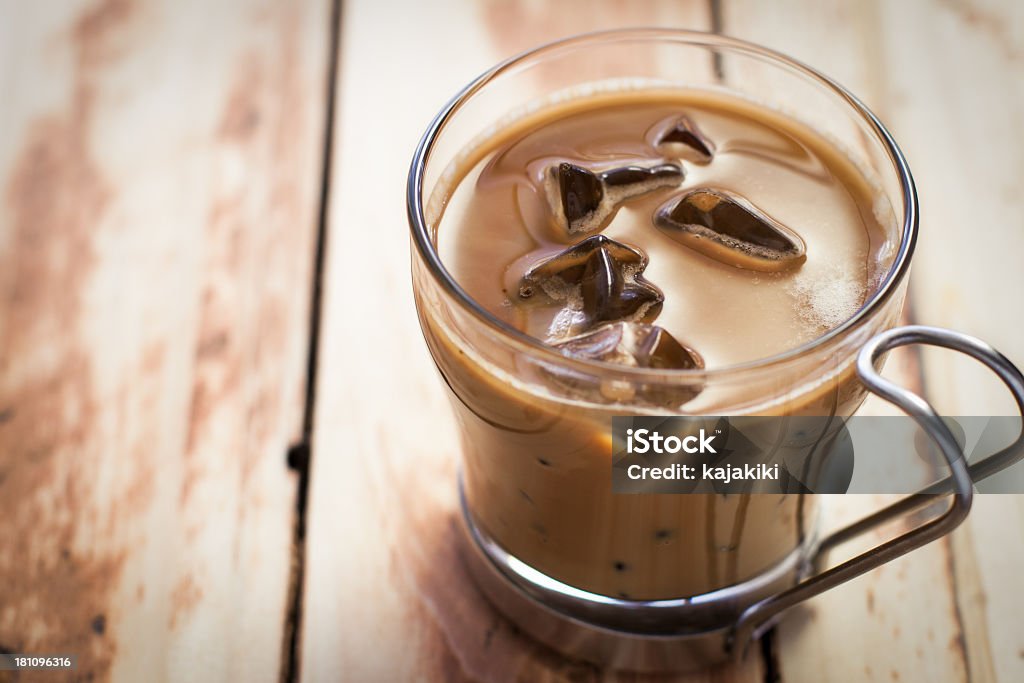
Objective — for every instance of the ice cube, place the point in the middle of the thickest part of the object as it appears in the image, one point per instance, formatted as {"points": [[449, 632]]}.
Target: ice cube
{"points": [[581, 197], [728, 228], [683, 140], [626, 182], [584, 201], [598, 279], [635, 345]]}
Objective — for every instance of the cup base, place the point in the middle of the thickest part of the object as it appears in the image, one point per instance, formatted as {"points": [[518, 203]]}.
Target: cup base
{"points": [[678, 635]]}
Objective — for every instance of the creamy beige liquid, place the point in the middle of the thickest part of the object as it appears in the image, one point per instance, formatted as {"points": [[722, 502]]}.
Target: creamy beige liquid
{"points": [[536, 467], [498, 221]]}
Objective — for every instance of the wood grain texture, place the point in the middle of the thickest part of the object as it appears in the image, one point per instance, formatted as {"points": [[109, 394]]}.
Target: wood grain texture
{"points": [[386, 598], [159, 174], [899, 622], [960, 79], [945, 78]]}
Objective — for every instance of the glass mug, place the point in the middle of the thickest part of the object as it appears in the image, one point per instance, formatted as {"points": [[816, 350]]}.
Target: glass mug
{"points": [[547, 541]]}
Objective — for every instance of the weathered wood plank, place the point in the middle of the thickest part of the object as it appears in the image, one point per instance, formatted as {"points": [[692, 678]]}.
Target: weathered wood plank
{"points": [[386, 597], [960, 79], [159, 167], [904, 621]]}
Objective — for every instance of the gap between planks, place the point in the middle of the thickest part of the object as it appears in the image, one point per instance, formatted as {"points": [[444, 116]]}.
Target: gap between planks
{"points": [[300, 455]]}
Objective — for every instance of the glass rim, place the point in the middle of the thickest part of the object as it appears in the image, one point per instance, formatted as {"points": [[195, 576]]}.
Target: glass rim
{"points": [[427, 250]]}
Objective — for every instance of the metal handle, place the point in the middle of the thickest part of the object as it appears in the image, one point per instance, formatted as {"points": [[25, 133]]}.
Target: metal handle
{"points": [[759, 616]]}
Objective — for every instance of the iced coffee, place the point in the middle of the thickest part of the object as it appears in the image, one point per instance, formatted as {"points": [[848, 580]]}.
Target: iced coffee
{"points": [[680, 232]]}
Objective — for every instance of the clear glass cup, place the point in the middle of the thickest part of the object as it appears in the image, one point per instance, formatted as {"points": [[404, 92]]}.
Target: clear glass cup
{"points": [[536, 465], [536, 459]]}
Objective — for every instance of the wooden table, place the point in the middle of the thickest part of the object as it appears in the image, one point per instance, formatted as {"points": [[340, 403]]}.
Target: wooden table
{"points": [[200, 473]]}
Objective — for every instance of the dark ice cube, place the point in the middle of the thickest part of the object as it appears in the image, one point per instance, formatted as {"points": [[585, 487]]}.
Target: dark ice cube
{"points": [[630, 181], [728, 228], [635, 345], [600, 277], [685, 141], [581, 193], [584, 201]]}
